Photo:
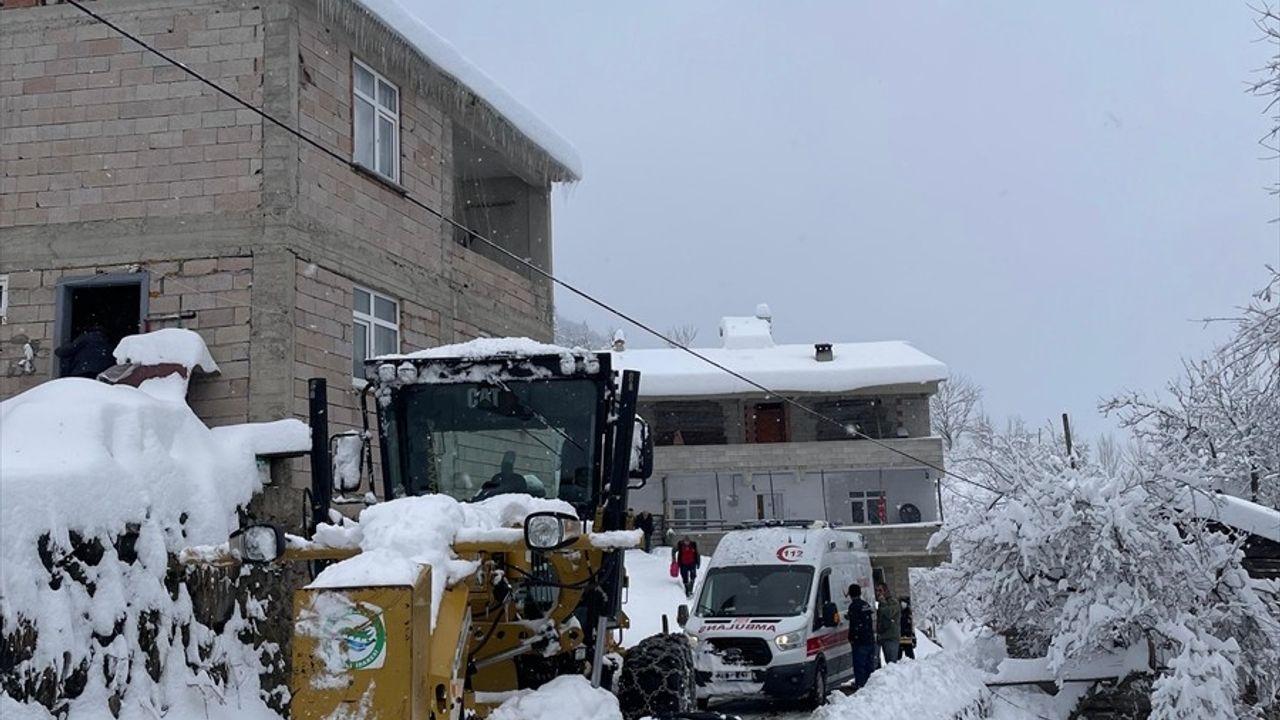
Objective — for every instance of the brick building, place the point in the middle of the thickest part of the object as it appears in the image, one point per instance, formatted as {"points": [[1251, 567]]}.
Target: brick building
{"points": [[726, 453], [134, 197]]}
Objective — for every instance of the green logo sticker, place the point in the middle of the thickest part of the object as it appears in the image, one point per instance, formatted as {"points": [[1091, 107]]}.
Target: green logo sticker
{"points": [[360, 634]]}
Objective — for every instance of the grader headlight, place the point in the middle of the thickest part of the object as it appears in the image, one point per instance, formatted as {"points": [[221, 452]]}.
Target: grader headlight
{"points": [[550, 530]]}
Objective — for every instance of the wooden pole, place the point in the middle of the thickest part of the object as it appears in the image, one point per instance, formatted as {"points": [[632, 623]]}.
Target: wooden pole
{"points": [[1066, 431]]}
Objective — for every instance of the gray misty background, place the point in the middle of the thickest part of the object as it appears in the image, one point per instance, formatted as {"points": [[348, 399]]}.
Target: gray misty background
{"points": [[1046, 197]]}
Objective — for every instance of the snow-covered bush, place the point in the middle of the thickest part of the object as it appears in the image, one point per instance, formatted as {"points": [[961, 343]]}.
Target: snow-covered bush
{"points": [[1078, 561], [101, 487]]}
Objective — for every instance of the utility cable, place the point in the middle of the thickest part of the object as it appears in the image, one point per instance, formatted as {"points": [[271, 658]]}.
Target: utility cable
{"points": [[471, 234]]}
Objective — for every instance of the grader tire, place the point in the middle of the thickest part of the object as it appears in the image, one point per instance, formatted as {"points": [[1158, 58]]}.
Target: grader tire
{"points": [[657, 679]]}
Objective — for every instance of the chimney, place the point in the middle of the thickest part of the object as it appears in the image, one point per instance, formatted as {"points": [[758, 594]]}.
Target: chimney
{"points": [[619, 341], [822, 352], [763, 312]]}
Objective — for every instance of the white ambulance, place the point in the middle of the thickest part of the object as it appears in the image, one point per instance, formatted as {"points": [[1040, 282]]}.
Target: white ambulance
{"points": [[769, 618]]}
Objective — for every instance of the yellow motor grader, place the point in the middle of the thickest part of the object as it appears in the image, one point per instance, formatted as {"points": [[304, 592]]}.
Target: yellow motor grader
{"points": [[545, 599]]}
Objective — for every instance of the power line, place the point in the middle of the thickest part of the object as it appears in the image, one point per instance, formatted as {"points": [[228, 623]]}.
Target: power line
{"points": [[471, 234]]}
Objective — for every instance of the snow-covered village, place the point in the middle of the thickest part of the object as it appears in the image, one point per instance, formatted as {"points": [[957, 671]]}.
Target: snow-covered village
{"points": [[565, 360]]}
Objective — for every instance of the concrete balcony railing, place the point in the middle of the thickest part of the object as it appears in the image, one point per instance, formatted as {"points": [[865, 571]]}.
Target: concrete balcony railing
{"points": [[799, 455]]}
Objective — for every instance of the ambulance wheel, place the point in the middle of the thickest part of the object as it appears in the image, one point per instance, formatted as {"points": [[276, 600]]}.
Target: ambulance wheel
{"points": [[657, 678], [818, 695]]}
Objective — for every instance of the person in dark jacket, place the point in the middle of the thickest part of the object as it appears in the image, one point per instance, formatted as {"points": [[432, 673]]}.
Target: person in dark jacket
{"points": [[87, 355], [644, 523], [888, 623], [862, 636], [908, 644], [685, 555]]}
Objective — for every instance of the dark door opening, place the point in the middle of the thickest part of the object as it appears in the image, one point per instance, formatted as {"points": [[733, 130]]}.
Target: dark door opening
{"points": [[114, 307], [770, 423]]}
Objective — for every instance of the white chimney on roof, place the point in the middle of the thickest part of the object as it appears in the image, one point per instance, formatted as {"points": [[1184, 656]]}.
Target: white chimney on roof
{"points": [[748, 333], [619, 340]]}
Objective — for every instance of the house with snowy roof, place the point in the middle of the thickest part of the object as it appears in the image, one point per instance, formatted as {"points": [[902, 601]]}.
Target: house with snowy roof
{"points": [[856, 449], [136, 198]]}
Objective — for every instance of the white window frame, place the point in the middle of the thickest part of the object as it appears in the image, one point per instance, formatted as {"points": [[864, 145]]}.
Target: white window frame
{"points": [[870, 501], [391, 114], [371, 321], [683, 506], [4, 297]]}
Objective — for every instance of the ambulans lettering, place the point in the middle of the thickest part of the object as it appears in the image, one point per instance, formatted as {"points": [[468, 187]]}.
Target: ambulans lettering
{"points": [[790, 553], [741, 626]]}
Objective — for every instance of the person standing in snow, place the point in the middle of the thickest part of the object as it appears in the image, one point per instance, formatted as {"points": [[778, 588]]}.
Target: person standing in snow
{"points": [[88, 354], [908, 644], [888, 623], [644, 523], [862, 636], [685, 555]]}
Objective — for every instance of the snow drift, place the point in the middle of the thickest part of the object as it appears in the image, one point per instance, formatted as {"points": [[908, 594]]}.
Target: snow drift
{"points": [[101, 485]]}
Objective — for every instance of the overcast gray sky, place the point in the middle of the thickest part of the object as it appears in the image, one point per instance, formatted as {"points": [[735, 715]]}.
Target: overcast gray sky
{"points": [[1045, 197]]}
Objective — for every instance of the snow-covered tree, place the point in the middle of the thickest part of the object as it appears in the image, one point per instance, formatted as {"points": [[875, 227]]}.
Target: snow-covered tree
{"points": [[1224, 410], [1079, 561], [954, 411], [570, 333], [682, 334]]}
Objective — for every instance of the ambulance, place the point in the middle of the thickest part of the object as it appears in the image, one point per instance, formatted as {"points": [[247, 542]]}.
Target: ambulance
{"points": [[769, 618]]}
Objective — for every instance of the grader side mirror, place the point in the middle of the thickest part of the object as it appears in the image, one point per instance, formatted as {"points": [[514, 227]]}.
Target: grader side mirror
{"points": [[641, 451], [347, 449], [682, 615], [258, 544]]}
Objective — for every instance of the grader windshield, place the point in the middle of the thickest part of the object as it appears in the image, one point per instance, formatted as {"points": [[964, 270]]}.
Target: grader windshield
{"points": [[477, 440]]}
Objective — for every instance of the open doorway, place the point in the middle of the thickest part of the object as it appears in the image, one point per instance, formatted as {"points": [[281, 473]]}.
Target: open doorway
{"points": [[116, 303]]}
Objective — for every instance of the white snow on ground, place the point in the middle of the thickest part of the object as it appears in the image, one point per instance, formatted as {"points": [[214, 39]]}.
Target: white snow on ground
{"points": [[569, 697], [651, 593], [670, 372], [445, 56], [942, 686], [170, 345], [280, 437], [99, 462], [397, 537]]}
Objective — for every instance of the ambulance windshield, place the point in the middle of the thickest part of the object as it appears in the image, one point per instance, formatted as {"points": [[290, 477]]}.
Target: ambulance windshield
{"points": [[756, 590]]}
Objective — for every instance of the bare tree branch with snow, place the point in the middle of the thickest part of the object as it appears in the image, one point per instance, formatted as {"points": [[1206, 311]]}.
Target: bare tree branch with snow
{"points": [[953, 410]]}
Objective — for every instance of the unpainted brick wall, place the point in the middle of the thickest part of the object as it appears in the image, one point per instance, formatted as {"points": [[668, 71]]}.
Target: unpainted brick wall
{"points": [[215, 289], [95, 128]]}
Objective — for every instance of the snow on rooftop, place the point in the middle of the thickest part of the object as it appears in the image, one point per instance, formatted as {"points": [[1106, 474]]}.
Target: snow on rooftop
{"points": [[170, 345], [1234, 512], [671, 372], [445, 56]]}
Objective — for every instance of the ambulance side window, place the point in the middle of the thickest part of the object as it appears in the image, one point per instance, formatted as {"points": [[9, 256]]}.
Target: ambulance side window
{"points": [[824, 597]]}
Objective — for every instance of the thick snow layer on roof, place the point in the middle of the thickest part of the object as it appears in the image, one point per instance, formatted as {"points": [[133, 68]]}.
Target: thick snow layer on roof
{"points": [[170, 345], [280, 437], [445, 56], [397, 537], [1235, 512], [671, 372]]}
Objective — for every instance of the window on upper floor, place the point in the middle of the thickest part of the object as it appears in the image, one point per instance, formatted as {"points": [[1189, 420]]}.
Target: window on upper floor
{"points": [[375, 103], [375, 328], [4, 296]]}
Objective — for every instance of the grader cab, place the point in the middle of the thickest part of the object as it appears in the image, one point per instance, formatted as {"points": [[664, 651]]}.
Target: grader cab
{"points": [[544, 599]]}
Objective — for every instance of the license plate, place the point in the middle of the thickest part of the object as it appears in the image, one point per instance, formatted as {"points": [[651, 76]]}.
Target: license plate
{"points": [[745, 675]]}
